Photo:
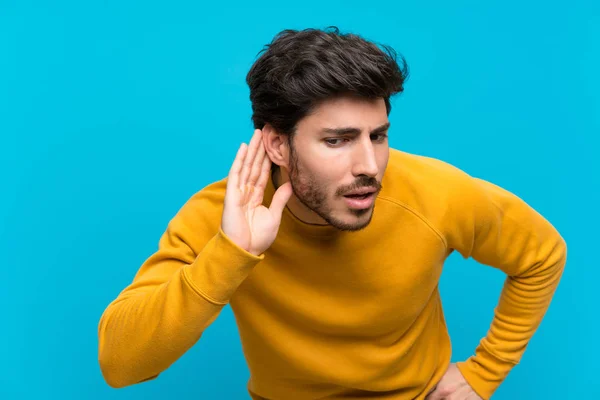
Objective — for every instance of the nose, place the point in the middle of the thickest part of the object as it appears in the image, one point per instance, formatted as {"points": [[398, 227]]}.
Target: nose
{"points": [[365, 162]]}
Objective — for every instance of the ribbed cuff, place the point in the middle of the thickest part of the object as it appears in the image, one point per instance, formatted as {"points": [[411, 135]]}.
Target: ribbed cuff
{"points": [[220, 269], [484, 372]]}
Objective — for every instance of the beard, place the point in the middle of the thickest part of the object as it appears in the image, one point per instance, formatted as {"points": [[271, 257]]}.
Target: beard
{"points": [[314, 195]]}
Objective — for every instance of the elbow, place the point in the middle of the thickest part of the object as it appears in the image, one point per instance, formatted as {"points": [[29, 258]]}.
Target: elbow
{"points": [[556, 260], [115, 376], [556, 256], [113, 366], [118, 371], [561, 251], [548, 263], [114, 382], [554, 251], [118, 363], [112, 378], [112, 373]]}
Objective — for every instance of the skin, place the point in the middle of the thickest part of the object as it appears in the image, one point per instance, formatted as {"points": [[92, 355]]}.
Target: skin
{"points": [[323, 166], [453, 386]]}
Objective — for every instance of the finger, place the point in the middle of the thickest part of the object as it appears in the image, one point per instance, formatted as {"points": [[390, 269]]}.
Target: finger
{"points": [[456, 395], [265, 173], [257, 164], [236, 167], [247, 165], [280, 199], [261, 184], [435, 395], [428, 396]]}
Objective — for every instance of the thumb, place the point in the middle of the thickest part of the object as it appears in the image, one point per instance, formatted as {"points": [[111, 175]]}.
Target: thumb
{"points": [[280, 199]]}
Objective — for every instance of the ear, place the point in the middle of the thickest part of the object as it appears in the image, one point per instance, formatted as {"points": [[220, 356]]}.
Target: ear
{"points": [[276, 146]]}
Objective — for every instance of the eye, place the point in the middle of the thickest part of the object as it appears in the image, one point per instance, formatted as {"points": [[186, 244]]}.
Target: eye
{"points": [[379, 137], [334, 142]]}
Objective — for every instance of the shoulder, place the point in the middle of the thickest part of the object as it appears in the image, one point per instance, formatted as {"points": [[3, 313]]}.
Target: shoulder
{"points": [[432, 189], [412, 166], [419, 180]]}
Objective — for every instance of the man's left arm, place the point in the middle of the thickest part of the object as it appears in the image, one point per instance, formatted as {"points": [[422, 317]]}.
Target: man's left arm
{"points": [[497, 228]]}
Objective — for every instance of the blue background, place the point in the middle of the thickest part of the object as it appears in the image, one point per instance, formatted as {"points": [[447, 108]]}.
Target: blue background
{"points": [[113, 113]]}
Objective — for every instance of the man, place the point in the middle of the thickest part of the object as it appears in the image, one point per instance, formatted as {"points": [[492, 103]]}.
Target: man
{"points": [[328, 245]]}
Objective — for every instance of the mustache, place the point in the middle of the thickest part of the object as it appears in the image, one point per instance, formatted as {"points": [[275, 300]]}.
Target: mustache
{"points": [[362, 182]]}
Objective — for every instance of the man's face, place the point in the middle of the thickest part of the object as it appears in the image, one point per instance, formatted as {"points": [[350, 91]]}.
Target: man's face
{"points": [[340, 148]]}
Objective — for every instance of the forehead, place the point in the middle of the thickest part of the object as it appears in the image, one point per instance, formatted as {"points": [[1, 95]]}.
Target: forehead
{"points": [[346, 111]]}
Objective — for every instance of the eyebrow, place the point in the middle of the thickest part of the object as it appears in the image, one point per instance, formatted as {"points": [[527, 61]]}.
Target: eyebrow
{"points": [[355, 131]]}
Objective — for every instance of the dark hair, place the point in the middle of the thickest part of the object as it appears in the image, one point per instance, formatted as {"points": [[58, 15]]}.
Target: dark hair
{"points": [[300, 68]]}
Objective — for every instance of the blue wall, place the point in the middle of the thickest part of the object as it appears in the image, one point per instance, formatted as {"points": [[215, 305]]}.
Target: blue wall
{"points": [[113, 113]]}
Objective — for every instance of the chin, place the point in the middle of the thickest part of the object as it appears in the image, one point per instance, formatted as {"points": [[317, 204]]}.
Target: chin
{"points": [[354, 220]]}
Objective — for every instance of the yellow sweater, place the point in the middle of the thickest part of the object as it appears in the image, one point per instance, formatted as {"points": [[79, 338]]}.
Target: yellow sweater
{"points": [[328, 314]]}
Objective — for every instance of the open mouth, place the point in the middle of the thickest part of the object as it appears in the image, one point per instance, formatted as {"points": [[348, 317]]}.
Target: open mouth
{"points": [[358, 196], [360, 201]]}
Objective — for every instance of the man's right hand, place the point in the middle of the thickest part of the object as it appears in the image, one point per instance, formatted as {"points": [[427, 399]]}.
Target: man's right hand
{"points": [[245, 220]]}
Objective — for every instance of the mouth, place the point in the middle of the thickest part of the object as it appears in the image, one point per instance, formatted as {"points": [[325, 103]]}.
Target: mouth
{"points": [[360, 199], [358, 196], [361, 193]]}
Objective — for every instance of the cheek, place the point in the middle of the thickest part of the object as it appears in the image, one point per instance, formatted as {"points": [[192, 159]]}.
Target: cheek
{"points": [[331, 178], [382, 161], [326, 173]]}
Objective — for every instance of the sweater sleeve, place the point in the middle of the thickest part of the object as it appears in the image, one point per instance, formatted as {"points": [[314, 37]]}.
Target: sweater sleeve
{"points": [[498, 229], [176, 294]]}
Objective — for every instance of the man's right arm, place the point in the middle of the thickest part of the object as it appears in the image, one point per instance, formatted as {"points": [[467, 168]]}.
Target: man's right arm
{"points": [[180, 290], [176, 294]]}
